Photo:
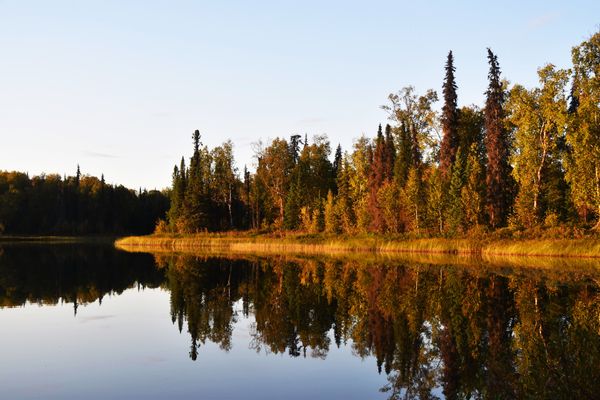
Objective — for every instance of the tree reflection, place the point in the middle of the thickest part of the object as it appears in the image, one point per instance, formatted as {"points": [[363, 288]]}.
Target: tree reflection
{"points": [[77, 274], [435, 331]]}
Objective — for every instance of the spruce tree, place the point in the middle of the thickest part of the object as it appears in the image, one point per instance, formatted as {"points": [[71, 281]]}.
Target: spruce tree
{"points": [[498, 179], [196, 207], [376, 179], [450, 140], [389, 154], [403, 161], [337, 164]]}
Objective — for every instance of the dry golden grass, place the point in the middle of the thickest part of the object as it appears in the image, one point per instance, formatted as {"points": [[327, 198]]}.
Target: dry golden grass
{"points": [[336, 244]]}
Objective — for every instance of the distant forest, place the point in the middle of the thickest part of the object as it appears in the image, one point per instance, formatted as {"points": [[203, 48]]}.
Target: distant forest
{"points": [[75, 205], [529, 158]]}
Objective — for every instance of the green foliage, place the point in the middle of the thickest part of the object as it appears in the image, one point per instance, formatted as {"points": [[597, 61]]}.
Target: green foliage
{"points": [[539, 118], [583, 134], [472, 193]]}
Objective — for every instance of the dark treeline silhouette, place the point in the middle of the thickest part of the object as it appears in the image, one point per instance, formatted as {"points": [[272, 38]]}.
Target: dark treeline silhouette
{"points": [[75, 205], [471, 332], [528, 159], [78, 274]]}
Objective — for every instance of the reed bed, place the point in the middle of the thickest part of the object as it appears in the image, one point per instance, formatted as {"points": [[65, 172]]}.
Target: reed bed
{"points": [[332, 244]]}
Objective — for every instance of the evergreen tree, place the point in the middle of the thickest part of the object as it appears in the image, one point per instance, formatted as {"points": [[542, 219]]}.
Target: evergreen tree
{"points": [[344, 204], [196, 207], [450, 140], [337, 164], [403, 161], [389, 154], [294, 148], [498, 180], [376, 179]]}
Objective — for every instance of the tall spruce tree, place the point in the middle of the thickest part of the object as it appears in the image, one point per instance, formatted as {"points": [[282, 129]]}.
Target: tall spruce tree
{"points": [[389, 154], [337, 164], [196, 211], [450, 140], [403, 161], [498, 179], [376, 179]]}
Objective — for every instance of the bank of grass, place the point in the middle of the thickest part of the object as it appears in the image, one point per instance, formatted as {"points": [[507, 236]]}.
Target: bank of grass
{"points": [[276, 243], [299, 243]]}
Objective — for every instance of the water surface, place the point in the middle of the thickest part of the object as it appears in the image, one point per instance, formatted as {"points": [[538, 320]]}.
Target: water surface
{"points": [[88, 321]]}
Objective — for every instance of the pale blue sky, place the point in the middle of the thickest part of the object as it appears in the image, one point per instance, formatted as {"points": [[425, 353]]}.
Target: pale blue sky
{"points": [[119, 86]]}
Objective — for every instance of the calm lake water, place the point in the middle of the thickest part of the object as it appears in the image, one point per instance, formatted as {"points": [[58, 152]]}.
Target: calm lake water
{"points": [[88, 321]]}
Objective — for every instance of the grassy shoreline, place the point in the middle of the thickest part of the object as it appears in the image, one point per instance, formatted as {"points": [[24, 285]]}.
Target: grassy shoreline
{"points": [[332, 244]]}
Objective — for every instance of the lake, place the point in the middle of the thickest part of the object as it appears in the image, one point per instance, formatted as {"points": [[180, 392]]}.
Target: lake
{"points": [[89, 321]]}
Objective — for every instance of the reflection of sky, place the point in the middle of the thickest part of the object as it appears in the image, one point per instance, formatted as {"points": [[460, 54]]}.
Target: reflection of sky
{"points": [[128, 348]]}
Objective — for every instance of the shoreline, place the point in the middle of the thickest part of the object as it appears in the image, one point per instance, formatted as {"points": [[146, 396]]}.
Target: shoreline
{"points": [[322, 244]]}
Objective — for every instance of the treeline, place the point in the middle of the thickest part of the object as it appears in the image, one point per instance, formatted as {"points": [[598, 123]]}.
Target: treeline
{"points": [[75, 205], [528, 158]]}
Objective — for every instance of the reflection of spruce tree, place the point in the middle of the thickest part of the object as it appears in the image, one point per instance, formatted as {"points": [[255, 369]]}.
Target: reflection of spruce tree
{"points": [[408, 318], [500, 376]]}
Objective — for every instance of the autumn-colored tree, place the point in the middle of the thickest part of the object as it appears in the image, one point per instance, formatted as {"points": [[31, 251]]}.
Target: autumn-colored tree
{"points": [[273, 171], [330, 217], [412, 195], [436, 200], [359, 175], [583, 135], [539, 118], [416, 115], [224, 183]]}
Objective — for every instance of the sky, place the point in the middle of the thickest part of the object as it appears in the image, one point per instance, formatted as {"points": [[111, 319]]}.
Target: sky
{"points": [[118, 87]]}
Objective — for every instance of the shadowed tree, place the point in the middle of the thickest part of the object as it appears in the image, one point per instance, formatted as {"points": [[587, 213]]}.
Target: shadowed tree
{"points": [[450, 140], [498, 180]]}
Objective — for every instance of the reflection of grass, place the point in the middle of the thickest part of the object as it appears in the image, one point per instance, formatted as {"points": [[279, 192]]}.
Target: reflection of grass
{"points": [[550, 269], [335, 244]]}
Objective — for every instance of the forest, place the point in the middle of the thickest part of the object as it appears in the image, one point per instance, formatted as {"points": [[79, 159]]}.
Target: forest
{"points": [[527, 159], [75, 205]]}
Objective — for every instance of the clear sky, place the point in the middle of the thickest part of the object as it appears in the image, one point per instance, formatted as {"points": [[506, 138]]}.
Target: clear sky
{"points": [[119, 86]]}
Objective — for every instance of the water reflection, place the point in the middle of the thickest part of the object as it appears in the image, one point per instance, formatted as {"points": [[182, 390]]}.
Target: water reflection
{"points": [[433, 329], [71, 273], [472, 333]]}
